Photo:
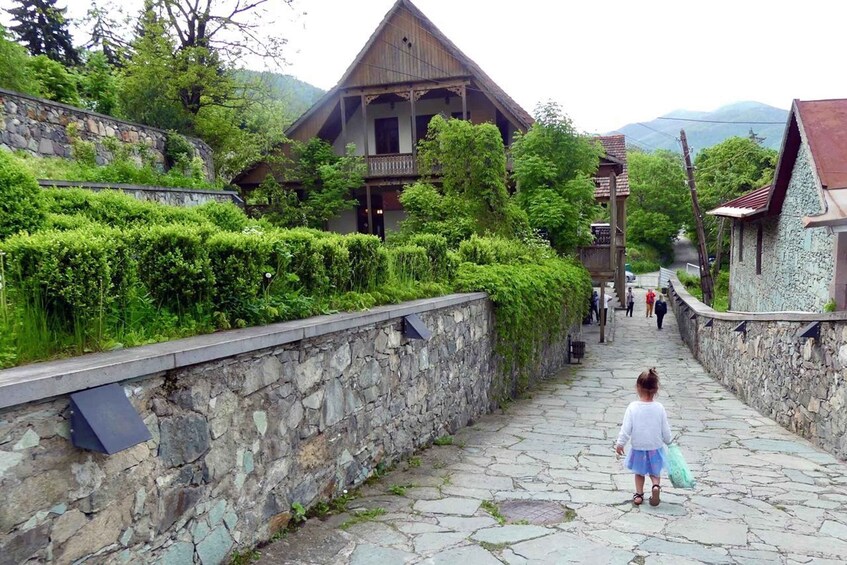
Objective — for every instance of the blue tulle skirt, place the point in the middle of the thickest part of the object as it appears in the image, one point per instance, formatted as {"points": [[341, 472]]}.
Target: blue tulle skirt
{"points": [[650, 462]]}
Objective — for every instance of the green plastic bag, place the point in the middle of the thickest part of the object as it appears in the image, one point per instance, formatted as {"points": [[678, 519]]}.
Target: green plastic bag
{"points": [[678, 470]]}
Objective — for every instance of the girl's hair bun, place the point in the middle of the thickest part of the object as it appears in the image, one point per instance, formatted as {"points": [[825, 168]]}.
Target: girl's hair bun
{"points": [[648, 381]]}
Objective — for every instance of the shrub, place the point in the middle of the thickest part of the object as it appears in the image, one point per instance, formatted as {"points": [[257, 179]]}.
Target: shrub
{"points": [[173, 263], [491, 250], [240, 266], [368, 261], [533, 302], [72, 276], [226, 216], [410, 263], [21, 205], [178, 150], [298, 251], [336, 263], [436, 249]]}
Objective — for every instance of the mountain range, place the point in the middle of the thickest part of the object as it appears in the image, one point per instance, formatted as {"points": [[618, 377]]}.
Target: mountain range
{"points": [[709, 128]]}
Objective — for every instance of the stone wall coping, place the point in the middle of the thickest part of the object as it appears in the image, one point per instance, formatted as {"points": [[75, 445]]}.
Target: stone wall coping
{"points": [[44, 101], [48, 183], [697, 307], [39, 381]]}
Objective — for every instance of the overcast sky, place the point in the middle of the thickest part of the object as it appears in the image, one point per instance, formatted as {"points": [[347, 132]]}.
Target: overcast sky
{"points": [[608, 63]]}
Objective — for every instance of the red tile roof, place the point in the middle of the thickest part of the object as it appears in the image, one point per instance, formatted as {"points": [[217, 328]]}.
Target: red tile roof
{"points": [[824, 123], [745, 205], [615, 147]]}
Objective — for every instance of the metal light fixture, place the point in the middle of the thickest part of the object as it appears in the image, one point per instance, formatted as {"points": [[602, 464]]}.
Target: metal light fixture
{"points": [[414, 328], [709, 323], [741, 328], [810, 331], [103, 420]]}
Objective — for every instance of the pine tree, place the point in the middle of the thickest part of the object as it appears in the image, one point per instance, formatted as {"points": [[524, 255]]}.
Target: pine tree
{"points": [[42, 27]]}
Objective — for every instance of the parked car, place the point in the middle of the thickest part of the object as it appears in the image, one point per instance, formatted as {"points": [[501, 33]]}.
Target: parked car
{"points": [[630, 277]]}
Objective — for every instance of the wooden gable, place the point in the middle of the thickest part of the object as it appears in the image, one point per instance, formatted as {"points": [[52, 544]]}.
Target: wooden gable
{"points": [[402, 50]]}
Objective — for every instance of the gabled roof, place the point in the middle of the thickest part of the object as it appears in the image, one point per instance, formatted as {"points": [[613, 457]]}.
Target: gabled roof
{"points": [[822, 126], [429, 72], [746, 205], [614, 147]]}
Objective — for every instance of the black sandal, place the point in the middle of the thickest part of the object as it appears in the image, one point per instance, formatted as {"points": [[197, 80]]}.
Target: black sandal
{"points": [[638, 498], [654, 495]]}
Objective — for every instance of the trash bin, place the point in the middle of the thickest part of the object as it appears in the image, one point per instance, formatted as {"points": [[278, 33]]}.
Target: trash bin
{"points": [[578, 350]]}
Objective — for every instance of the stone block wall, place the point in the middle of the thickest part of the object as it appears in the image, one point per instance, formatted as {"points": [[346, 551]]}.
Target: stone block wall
{"points": [[39, 127], [798, 264], [800, 383], [237, 440], [170, 196]]}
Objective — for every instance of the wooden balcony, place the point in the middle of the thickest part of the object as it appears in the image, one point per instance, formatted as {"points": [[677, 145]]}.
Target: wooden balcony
{"points": [[392, 165]]}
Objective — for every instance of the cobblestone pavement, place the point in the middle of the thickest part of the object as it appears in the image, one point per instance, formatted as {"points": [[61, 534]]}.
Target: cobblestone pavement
{"points": [[763, 494]]}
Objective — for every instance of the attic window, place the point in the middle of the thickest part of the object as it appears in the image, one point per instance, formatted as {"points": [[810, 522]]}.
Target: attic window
{"points": [[407, 42]]}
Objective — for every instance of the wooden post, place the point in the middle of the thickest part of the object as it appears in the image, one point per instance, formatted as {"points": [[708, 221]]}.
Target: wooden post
{"points": [[343, 109], [464, 102], [613, 228], [718, 249], [365, 125], [602, 311], [370, 208], [414, 122], [705, 274]]}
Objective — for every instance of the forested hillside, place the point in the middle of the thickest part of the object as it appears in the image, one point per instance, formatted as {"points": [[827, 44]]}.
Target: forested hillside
{"points": [[662, 133]]}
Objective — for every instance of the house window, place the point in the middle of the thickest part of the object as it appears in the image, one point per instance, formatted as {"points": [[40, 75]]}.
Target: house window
{"points": [[421, 123], [759, 249], [387, 135], [740, 242], [458, 115]]}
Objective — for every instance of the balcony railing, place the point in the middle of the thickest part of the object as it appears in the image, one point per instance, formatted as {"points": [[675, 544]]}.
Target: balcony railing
{"points": [[393, 165]]}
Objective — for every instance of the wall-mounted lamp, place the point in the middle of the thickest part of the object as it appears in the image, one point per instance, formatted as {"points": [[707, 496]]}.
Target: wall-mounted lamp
{"points": [[811, 331], [414, 328], [103, 420], [741, 328], [692, 317], [709, 323]]}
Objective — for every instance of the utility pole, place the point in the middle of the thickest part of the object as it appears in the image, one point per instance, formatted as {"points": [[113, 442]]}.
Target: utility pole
{"points": [[705, 275]]}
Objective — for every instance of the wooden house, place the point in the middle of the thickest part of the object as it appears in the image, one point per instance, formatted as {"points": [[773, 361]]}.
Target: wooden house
{"points": [[406, 73]]}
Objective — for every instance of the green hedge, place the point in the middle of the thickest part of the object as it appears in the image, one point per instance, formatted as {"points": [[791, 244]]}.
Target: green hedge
{"points": [[410, 263], [368, 262], [21, 205]]}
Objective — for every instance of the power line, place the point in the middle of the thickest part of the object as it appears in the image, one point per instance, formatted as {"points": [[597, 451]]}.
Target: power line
{"points": [[717, 121], [642, 124]]}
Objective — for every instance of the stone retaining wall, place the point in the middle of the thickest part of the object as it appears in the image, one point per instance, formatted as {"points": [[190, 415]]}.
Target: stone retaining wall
{"points": [[800, 383], [39, 127], [163, 195], [244, 424]]}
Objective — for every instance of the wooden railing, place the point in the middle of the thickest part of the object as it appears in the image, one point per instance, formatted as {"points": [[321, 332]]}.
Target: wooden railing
{"points": [[393, 165]]}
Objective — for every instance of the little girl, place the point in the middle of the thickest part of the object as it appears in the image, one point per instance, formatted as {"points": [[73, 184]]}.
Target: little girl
{"points": [[645, 424]]}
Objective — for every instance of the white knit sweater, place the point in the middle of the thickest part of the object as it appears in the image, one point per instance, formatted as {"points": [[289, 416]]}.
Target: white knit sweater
{"points": [[645, 424]]}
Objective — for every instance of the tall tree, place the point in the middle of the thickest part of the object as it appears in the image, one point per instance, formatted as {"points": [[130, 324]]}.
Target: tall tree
{"points": [[43, 28], [658, 205], [14, 71], [554, 168], [729, 169]]}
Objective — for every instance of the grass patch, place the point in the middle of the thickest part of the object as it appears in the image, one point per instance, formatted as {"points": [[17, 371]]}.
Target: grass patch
{"points": [[414, 462], [570, 514], [491, 507], [493, 547], [443, 440], [245, 557], [363, 516], [400, 490]]}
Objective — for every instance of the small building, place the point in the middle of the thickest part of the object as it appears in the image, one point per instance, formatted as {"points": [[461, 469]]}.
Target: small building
{"points": [[789, 239]]}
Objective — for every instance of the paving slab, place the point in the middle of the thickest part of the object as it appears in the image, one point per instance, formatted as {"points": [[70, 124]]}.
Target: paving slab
{"points": [[763, 494]]}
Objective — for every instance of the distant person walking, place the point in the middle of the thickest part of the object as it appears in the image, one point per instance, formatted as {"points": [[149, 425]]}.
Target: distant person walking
{"points": [[630, 302], [595, 306], [651, 298], [661, 310]]}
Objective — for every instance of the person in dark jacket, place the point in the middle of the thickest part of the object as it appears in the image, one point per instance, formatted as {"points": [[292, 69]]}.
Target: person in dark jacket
{"points": [[595, 306], [660, 309]]}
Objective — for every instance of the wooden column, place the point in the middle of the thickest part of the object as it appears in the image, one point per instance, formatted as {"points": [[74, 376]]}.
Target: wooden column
{"points": [[365, 126], [602, 311], [613, 228], [464, 102], [343, 121], [370, 208], [414, 122]]}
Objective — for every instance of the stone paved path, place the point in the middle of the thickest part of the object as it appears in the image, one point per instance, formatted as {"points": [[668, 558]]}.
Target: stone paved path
{"points": [[764, 495]]}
